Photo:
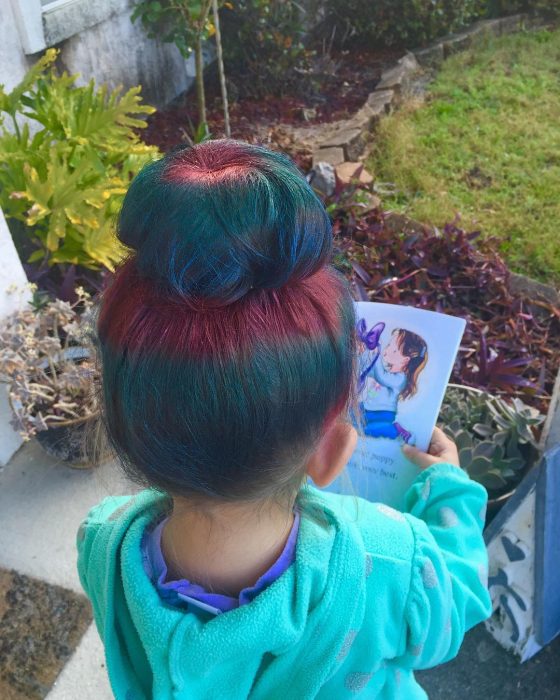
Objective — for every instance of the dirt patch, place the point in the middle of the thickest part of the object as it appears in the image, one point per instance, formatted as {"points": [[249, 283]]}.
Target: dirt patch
{"points": [[477, 179], [342, 85], [40, 626]]}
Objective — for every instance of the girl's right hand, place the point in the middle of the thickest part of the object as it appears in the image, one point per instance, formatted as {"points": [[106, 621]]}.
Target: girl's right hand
{"points": [[441, 449]]}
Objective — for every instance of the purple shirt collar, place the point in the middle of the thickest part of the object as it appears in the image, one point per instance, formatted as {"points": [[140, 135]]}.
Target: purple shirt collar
{"points": [[183, 591]]}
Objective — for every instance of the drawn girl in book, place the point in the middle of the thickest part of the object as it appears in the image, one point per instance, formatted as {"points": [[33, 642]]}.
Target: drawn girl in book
{"points": [[388, 376]]}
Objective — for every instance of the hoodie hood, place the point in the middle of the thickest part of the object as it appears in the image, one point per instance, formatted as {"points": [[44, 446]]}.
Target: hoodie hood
{"points": [[284, 644]]}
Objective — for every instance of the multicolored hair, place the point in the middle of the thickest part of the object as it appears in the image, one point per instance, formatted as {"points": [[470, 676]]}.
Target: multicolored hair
{"points": [[227, 340], [414, 347]]}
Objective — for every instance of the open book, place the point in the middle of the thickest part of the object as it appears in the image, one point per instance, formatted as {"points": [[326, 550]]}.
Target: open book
{"points": [[405, 359]]}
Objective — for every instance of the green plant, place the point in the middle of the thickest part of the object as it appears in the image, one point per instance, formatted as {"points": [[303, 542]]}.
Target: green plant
{"points": [[544, 8], [67, 154], [495, 439], [402, 22], [187, 24], [264, 45]]}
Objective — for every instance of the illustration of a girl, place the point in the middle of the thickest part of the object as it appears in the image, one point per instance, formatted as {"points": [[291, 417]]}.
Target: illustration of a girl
{"points": [[390, 376]]}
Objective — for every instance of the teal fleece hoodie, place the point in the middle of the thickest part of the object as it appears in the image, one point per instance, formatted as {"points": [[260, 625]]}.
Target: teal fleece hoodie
{"points": [[373, 594]]}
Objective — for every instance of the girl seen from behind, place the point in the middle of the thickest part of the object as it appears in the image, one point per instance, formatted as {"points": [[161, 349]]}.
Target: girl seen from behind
{"points": [[228, 353]]}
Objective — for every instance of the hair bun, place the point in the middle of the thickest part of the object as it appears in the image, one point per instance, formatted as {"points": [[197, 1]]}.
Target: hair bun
{"points": [[215, 220]]}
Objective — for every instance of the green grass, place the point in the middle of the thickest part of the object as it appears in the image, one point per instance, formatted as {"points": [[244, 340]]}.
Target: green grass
{"points": [[485, 145]]}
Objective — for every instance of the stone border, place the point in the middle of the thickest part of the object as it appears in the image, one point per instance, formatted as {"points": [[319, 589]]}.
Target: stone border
{"points": [[346, 140], [523, 286]]}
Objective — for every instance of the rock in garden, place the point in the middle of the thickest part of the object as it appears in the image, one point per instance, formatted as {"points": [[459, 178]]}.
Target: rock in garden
{"points": [[456, 42], [379, 102], [342, 136], [323, 179], [363, 119], [347, 173], [351, 139], [513, 23], [487, 27], [333, 155], [399, 76], [430, 57]]}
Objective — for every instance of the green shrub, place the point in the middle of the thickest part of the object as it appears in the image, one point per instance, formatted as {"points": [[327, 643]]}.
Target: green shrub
{"points": [[65, 175], [187, 24], [544, 8], [401, 22], [263, 46]]}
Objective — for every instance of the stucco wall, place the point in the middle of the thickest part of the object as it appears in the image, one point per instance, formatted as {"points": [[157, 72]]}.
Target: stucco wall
{"points": [[112, 50], [13, 61], [14, 294]]}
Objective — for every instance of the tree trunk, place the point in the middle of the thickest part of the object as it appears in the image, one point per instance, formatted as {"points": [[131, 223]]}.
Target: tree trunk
{"points": [[221, 71], [200, 95]]}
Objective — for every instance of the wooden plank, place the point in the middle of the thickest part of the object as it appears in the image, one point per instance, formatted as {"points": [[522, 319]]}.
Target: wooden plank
{"points": [[512, 505], [547, 549]]}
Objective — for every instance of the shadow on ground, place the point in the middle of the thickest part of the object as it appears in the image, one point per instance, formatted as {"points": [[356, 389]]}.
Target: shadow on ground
{"points": [[483, 670]]}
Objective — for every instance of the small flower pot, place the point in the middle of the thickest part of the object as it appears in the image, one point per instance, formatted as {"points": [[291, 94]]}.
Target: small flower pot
{"points": [[66, 442], [496, 503]]}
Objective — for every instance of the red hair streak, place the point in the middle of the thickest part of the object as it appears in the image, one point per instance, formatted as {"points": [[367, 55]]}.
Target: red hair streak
{"points": [[138, 314]]}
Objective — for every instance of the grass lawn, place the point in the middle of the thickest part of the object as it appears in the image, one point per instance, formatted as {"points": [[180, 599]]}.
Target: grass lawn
{"points": [[486, 144]]}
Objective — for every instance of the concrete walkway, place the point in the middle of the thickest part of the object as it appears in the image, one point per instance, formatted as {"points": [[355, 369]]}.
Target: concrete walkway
{"points": [[41, 506]]}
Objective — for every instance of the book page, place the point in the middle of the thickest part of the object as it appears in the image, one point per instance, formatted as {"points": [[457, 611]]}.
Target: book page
{"points": [[405, 360]]}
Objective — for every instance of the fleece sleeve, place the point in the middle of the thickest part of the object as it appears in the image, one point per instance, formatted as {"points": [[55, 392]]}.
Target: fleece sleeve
{"points": [[448, 591]]}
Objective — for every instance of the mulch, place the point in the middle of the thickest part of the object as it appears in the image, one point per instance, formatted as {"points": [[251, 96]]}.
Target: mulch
{"points": [[40, 626], [342, 83]]}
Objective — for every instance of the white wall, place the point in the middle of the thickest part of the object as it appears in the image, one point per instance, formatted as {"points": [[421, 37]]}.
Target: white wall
{"points": [[108, 47], [14, 293], [13, 61]]}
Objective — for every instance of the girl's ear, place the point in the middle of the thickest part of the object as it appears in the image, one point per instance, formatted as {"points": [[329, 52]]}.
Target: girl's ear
{"points": [[332, 453]]}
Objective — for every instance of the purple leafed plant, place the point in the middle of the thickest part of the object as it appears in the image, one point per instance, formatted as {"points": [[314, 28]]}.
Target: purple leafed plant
{"points": [[511, 345]]}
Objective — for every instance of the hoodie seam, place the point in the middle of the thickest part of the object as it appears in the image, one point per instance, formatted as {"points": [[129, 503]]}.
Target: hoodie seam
{"points": [[408, 598], [341, 558]]}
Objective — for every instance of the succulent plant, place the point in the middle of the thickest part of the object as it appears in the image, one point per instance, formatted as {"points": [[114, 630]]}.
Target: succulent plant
{"points": [[495, 438]]}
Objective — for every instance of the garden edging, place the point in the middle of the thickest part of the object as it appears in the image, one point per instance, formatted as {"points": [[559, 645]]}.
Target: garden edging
{"points": [[347, 139], [339, 143]]}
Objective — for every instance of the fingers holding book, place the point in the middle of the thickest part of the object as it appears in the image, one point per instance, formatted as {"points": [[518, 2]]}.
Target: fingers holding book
{"points": [[441, 449]]}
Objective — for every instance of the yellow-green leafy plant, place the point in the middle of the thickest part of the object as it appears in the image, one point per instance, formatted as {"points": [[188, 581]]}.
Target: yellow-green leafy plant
{"points": [[67, 155]]}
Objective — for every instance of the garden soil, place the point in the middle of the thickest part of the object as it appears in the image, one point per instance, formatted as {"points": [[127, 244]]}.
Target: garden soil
{"points": [[40, 626]]}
